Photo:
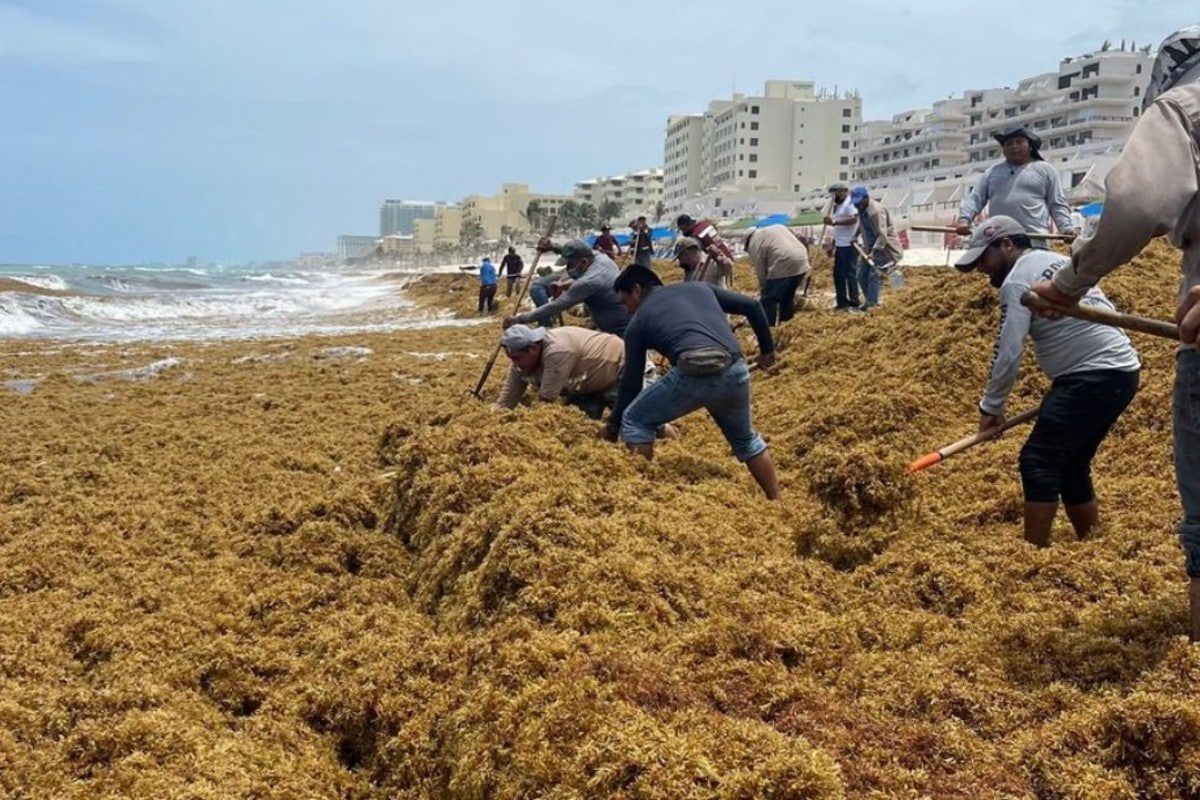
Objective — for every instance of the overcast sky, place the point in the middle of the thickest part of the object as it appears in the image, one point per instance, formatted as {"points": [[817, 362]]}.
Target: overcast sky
{"points": [[147, 130]]}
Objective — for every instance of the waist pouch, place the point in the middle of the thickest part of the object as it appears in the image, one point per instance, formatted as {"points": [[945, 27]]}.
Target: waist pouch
{"points": [[704, 361]]}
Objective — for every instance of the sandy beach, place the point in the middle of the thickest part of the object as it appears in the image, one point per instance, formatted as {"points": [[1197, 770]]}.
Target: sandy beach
{"points": [[315, 567]]}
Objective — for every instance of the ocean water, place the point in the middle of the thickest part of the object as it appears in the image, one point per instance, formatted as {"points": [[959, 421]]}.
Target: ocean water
{"points": [[123, 304]]}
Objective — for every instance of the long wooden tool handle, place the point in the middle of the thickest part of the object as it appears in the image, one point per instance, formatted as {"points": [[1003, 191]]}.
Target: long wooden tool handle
{"points": [[948, 229], [1116, 319], [940, 455], [487, 370]]}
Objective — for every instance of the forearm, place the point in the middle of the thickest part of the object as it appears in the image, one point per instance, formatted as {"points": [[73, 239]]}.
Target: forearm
{"points": [[514, 388], [752, 310], [973, 203]]}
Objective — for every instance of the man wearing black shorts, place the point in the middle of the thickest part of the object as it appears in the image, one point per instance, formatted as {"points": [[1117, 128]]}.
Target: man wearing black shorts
{"points": [[1094, 368]]}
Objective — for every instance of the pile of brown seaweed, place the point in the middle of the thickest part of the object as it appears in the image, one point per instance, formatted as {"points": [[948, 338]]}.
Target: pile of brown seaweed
{"points": [[209, 591]]}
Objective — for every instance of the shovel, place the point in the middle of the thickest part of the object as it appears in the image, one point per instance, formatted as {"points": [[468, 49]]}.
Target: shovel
{"points": [[938, 456], [890, 270]]}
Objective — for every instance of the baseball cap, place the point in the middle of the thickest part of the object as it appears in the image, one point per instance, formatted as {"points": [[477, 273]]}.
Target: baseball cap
{"points": [[685, 243], [576, 248], [858, 193], [838, 187], [521, 337], [992, 230]]}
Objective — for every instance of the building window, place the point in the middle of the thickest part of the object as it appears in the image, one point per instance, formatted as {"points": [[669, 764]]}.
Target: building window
{"points": [[739, 173], [843, 176], [753, 173], [796, 188], [753, 109], [846, 112], [845, 145], [845, 129], [743, 125], [1138, 71], [753, 157], [753, 126], [1137, 90], [845, 160], [754, 142]]}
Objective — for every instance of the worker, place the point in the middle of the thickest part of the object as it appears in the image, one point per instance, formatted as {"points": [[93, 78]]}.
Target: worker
{"points": [[843, 219], [880, 243], [643, 244], [607, 244], [686, 323], [1153, 190], [704, 232], [1023, 187], [487, 285], [512, 266], [1094, 370], [698, 265], [780, 261], [591, 277]]}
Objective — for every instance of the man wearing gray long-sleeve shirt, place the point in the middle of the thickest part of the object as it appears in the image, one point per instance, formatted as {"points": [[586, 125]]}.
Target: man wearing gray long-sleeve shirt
{"points": [[1094, 368], [1023, 187], [593, 275]]}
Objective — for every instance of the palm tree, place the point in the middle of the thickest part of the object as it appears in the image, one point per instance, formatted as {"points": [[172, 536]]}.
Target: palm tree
{"points": [[533, 215], [471, 233], [608, 209], [588, 218], [568, 216]]}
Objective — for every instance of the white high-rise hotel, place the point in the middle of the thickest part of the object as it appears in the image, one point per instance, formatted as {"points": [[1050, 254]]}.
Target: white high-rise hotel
{"points": [[788, 140], [1088, 104]]}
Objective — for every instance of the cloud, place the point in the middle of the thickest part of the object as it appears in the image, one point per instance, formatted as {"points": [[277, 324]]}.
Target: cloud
{"points": [[29, 37]]}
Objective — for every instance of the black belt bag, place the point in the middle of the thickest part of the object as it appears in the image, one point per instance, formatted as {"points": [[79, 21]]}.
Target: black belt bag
{"points": [[704, 361]]}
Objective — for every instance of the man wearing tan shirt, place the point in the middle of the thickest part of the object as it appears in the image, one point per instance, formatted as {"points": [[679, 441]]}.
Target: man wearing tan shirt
{"points": [[1154, 190], [577, 365], [780, 262]]}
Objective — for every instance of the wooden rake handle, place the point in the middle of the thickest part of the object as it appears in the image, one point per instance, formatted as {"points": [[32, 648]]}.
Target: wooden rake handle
{"points": [[948, 229], [487, 370], [1104, 316], [940, 455]]}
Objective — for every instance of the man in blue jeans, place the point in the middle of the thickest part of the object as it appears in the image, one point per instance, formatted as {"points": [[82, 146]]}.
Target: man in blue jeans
{"points": [[686, 323], [1154, 190], [843, 218], [880, 244]]}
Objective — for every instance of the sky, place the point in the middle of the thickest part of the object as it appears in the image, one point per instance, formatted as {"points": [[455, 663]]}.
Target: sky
{"points": [[136, 131]]}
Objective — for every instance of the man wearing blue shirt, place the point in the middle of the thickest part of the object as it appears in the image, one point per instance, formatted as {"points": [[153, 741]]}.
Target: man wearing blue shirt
{"points": [[488, 281]]}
